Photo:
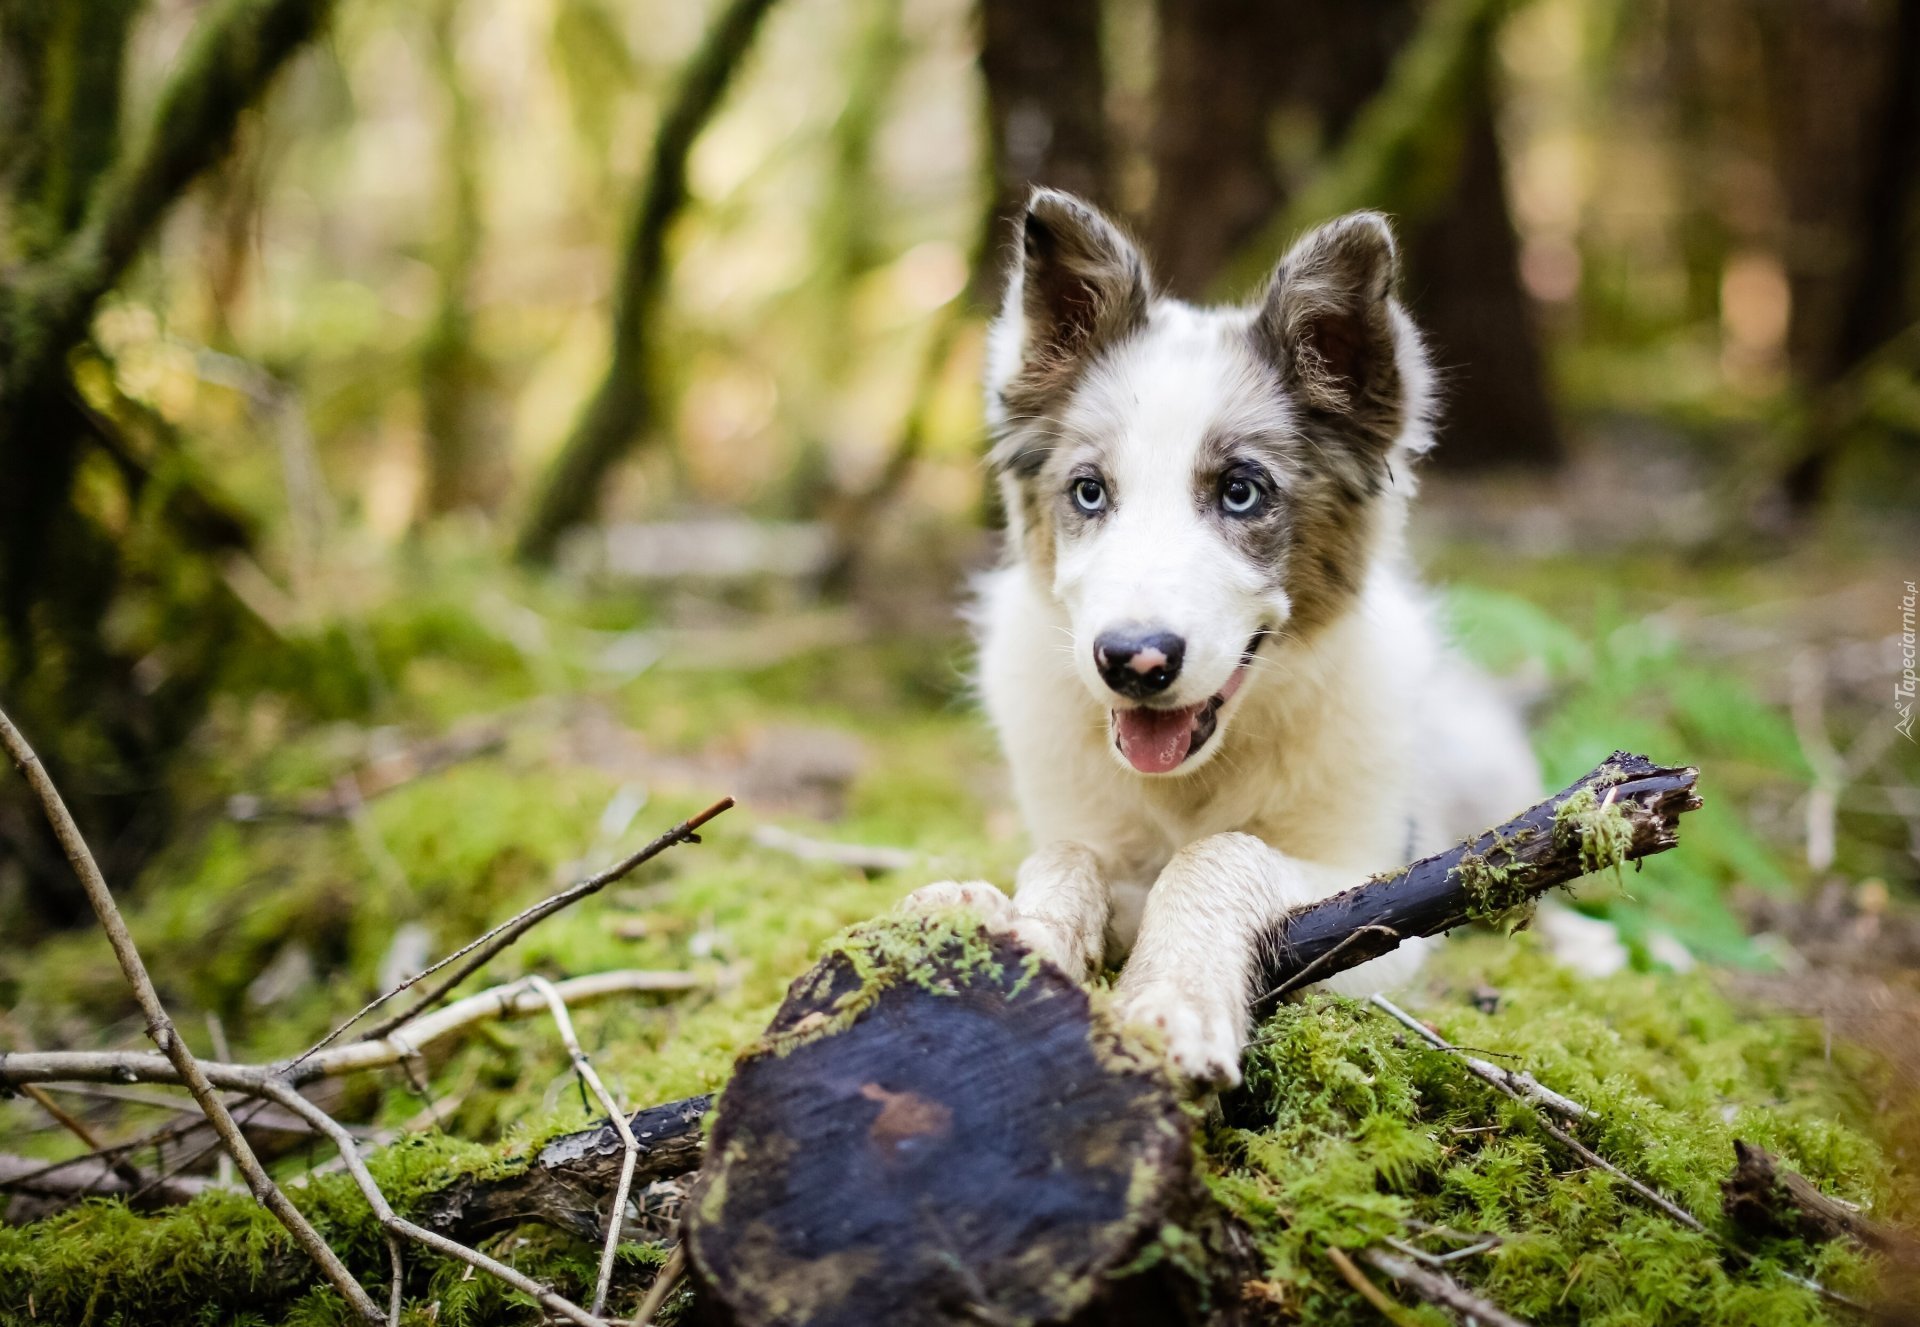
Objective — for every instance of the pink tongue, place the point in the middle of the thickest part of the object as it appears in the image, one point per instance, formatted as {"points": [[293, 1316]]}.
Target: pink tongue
{"points": [[1155, 741]]}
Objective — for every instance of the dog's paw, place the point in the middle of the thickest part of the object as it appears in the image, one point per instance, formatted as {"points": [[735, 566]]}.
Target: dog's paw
{"points": [[1204, 1034], [977, 896]]}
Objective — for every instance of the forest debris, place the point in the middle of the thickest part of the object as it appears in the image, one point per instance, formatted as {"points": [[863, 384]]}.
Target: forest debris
{"points": [[1436, 1287], [180, 1060], [381, 774], [1762, 1197]]}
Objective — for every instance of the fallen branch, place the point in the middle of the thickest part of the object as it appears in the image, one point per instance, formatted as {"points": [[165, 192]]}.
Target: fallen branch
{"points": [[1626, 809], [178, 1058], [92, 1177]]}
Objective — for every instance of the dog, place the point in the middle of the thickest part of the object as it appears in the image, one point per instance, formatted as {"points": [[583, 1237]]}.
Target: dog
{"points": [[1221, 692]]}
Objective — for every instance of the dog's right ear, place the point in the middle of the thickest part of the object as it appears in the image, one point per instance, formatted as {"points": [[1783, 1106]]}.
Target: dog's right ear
{"points": [[1079, 285]]}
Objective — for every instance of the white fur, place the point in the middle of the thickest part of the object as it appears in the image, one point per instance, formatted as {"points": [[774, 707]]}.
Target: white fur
{"points": [[1342, 754]]}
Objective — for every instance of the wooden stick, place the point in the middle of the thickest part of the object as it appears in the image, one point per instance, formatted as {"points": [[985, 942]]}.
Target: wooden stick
{"points": [[479, 952], [516, 999], [161, 1029], [617, 1211], [1506, 867]]}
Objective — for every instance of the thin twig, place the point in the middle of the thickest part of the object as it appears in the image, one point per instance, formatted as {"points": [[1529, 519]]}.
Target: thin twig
{"points": [[161, 1029], [616, 1214], [281, 1094], [513, 999], [663, 1283], [1370, 1292], [1531, 1093], [479, 952], [1438, 1288], [1511, 1081]]}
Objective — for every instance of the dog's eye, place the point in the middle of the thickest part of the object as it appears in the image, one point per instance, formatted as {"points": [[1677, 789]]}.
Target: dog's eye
{"points": [[1241, 496], [1089, 495]]}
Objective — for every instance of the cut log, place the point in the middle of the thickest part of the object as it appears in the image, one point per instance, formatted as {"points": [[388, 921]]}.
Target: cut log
{"points": [[939, 1128]]}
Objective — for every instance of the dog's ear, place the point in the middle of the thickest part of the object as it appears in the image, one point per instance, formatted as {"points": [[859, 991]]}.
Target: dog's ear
{"points": [[1079, 284], [1327, 321]]}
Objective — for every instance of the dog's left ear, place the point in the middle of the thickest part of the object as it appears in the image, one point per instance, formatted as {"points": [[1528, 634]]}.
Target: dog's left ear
{"points": [[1327, 319]]}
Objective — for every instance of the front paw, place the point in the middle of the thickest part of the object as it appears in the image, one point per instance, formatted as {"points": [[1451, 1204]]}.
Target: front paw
{"points": [[1204, 1032], [976, 896]]}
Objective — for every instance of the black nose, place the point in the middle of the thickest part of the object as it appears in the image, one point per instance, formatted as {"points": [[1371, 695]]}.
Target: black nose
{"points": [[1138, 663]]}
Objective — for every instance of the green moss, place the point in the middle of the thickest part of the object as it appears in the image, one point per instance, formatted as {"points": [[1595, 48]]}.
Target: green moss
{"points": [[1596, 826], [1372, 1131]]}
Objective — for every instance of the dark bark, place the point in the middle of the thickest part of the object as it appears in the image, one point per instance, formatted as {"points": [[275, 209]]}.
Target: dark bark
{"points": [[82, 215], [1046, 114], [1763, 1198], [1508, 867], [1434, 162], [1844, 83], [568, 1182], [1463, 265], [1227, 69], [623, 407], [974, 1145]]}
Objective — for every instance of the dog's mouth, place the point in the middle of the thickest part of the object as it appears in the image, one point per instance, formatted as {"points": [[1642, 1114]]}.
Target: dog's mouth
{"points": [[1161, 741]]}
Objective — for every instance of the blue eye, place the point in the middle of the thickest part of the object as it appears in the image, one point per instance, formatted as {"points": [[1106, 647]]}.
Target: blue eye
{"points": [[1089, 495], [1241, 496]]}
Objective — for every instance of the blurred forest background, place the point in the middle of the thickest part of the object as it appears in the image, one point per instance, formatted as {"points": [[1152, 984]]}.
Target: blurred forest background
{"points": [[432, 433]]}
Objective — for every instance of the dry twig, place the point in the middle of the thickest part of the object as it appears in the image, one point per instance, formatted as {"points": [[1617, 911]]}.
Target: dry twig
{"points": [[1438, 1288], [161, 1029]]}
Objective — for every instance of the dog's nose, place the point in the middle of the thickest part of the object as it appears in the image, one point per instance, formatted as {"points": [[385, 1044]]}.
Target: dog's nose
{"points": [[1138, 663]]}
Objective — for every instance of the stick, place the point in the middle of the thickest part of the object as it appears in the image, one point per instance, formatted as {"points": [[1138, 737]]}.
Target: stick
{"points": [[584, 1067], [515, 999], [1511, 1081], [663, 1283], [481, 951], [161, 1029], [1438, 1288], [1571, 834], [278, 1092]]}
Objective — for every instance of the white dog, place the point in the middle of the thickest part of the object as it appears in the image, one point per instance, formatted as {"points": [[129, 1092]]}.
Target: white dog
{"points": [[1221, 692]]}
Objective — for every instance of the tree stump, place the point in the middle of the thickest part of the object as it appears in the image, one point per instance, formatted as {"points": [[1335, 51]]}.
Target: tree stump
{"points": [[940, 1128]]}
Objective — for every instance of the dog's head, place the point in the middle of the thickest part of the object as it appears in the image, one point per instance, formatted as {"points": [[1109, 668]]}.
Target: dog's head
{"points": [[1196, 485]]}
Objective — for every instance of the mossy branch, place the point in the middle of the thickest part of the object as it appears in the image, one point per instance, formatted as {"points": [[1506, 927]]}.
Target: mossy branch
{"points": [[1626, 809], [230, 61], [622, 405]]}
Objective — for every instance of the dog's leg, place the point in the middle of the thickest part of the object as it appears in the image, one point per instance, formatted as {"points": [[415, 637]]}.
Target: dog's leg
{"points": [[1060, 901], [1192, 969], [1059, 907]]}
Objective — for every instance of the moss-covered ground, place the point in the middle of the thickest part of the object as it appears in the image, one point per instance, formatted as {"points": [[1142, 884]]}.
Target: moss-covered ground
{"points": [[278, 927]]}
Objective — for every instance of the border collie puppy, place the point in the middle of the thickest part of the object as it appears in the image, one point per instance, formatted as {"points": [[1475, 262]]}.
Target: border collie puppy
{"points": [[1220, 689]]}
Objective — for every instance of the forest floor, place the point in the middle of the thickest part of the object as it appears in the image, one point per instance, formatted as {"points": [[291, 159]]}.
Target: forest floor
{"points": [[465, 742]]}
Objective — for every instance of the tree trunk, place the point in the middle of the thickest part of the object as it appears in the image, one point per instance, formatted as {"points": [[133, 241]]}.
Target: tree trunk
{"points": [[1231, 66], [622, 408], [1463, 265], [1046, 113], [1844, 79]]}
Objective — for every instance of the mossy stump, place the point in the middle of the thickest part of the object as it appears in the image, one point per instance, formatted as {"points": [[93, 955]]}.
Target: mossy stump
{"points": [[939, 1128]]}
